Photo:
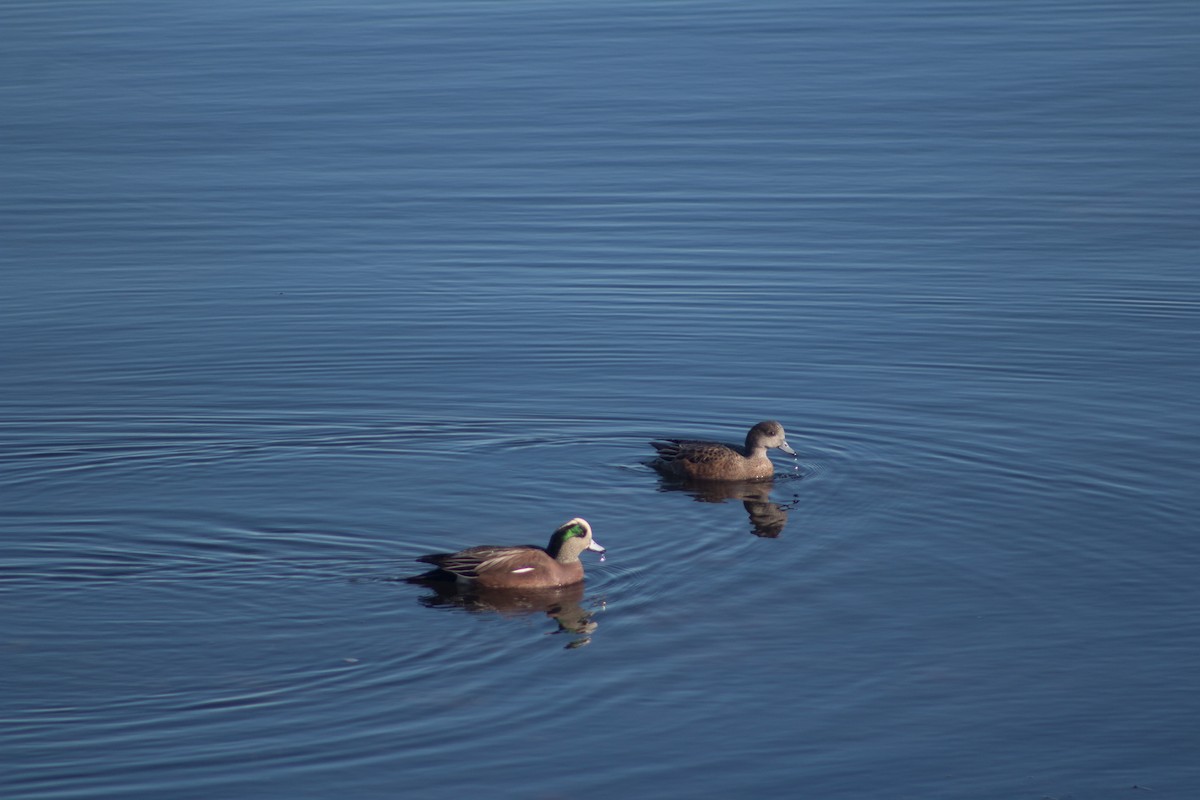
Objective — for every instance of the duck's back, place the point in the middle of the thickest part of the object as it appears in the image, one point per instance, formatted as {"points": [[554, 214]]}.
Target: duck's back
{"points": [[522, 566], [473, 561], [709, 461]]}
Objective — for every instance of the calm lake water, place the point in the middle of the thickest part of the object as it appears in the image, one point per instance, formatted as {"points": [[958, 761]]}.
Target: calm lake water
{"points": [[294, 292]]}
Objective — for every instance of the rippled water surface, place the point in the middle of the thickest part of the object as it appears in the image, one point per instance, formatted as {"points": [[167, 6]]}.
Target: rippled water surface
{"points": [[296, 292]]}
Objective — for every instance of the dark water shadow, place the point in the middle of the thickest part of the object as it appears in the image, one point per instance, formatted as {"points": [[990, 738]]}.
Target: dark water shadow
{"points": [[563, 604], [767, 518]]}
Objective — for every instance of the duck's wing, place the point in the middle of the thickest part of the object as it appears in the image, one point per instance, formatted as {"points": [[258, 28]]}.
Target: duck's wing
{"points": [[471, 562], [679, 450]]}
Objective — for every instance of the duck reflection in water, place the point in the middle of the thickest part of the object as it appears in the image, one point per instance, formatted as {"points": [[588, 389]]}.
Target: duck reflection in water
{"points": [[563, 604], [767, 518]]}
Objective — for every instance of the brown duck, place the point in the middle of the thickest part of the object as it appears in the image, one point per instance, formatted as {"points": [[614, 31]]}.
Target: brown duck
{"points": [[711, 461], [520, 566]]}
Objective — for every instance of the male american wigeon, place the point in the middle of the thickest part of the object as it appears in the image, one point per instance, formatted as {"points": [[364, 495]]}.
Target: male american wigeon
{"points": [[520, 566], [711, 461]]}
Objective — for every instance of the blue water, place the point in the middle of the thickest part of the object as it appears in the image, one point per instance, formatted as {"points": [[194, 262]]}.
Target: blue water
{"points": [[293, 293]]}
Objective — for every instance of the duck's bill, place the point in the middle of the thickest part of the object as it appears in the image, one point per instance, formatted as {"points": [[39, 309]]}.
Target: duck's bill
{"points": [[595, 546], [787, 448]]}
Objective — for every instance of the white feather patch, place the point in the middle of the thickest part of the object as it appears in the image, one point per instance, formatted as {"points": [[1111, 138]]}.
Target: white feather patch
{"points": [[523, 569]]}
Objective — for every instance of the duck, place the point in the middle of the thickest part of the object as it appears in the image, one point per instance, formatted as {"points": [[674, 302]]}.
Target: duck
{"points": [[520, 566], [712, 461]]}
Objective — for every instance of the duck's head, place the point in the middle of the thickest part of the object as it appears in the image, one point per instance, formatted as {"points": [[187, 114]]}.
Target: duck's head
{"points": [[768, 434], [571, 539]]}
